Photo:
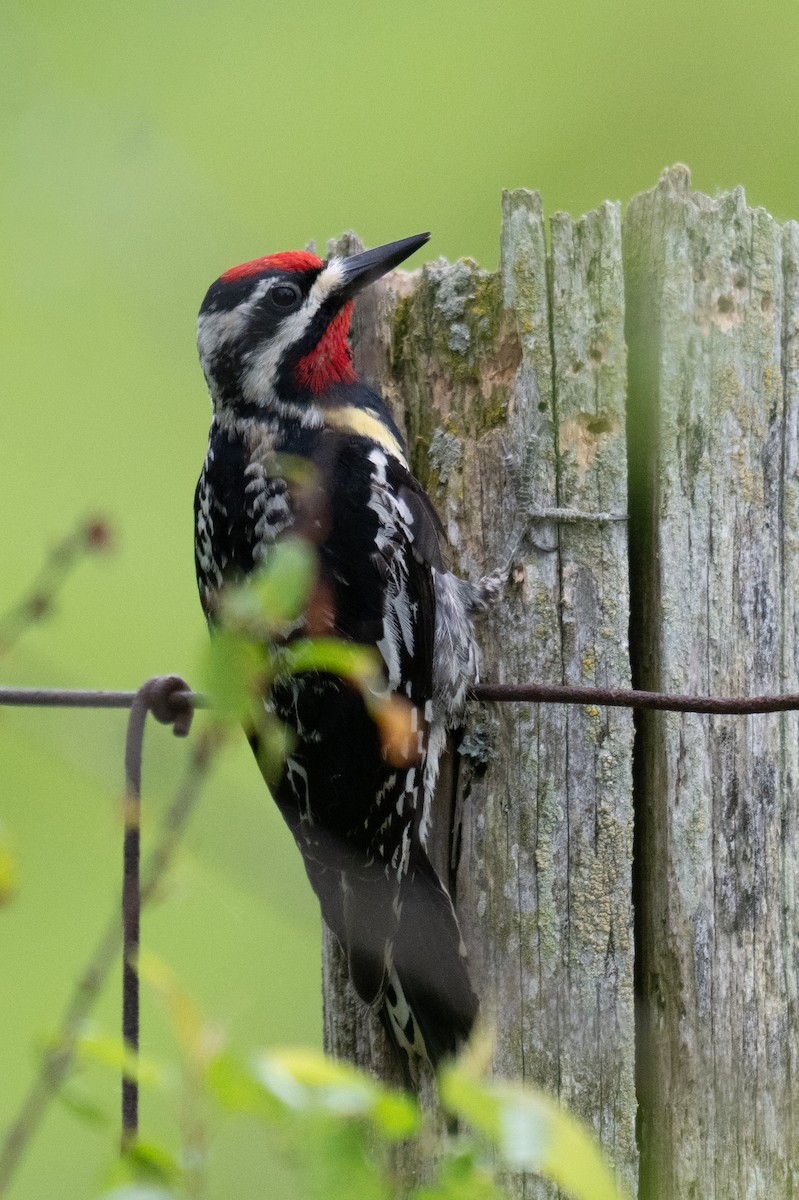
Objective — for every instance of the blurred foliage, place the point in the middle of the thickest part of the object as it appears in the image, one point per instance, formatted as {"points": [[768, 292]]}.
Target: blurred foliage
{"points": [[327, 1130], [8, 871], [145, 148], [39, 603], [327, 1127], [251, 649]]}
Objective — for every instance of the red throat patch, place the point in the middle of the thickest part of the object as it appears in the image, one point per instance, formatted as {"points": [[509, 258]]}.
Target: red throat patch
{"points": [[286, 260], [330, 361]]}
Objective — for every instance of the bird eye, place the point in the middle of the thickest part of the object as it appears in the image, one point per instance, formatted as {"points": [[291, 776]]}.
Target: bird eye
{"points": [[285, 295]]}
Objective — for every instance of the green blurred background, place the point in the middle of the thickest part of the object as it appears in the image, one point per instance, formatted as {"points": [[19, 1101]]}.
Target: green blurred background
{"points": [[145, 148]]}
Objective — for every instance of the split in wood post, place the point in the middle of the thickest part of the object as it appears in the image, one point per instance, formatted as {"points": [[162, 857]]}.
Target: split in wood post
{"points": [[574, 516], [543, 693], [168, 698]]}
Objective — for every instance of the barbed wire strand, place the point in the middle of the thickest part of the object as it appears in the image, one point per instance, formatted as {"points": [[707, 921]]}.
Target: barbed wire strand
{"points": [[163, 695]]}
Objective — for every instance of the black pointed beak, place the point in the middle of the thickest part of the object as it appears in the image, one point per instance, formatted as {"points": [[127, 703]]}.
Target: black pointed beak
{"points": [[363, 269]]}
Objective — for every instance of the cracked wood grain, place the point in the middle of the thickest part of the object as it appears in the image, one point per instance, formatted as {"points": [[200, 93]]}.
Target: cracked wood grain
{"points": [[511, 387], [712, 319]]}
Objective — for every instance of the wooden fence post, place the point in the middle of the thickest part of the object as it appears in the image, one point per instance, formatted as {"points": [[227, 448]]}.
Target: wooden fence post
{"points": [[513, 390], [512, 393], [712, 307]]}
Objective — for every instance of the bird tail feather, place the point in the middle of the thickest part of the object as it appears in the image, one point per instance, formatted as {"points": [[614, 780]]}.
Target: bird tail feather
{"points": [[429, 999]]}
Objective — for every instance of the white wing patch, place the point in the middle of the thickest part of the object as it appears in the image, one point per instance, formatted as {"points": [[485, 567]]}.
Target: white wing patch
{"points": [[455, 668], [455, 659], [394, 530], [403, 1024]]}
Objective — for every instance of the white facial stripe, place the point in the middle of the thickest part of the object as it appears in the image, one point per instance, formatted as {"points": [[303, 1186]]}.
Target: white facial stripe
{"points": [[214, 329], [328, 280], [259, 379]]}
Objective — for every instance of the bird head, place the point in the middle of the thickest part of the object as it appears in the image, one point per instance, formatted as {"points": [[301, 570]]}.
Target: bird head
{"points": [[273, 332]]}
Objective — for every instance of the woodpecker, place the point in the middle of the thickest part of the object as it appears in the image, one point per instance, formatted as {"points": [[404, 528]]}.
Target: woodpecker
{"points": [[273, 344]]}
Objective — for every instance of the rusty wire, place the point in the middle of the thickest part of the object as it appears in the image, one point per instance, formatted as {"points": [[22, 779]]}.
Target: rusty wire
{"points": [[167, 698], [504, 693]]}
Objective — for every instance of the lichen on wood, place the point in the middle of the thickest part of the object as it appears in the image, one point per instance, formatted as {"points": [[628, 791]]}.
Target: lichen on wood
{"points": [[510, 386], [649, 370]]}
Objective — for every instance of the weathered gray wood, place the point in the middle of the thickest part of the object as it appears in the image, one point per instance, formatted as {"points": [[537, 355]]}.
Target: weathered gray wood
{"points": [[597, 1068], [711, 289], [512, 394]]}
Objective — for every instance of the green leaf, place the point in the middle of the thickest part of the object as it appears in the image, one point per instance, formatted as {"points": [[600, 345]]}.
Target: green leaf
{"points": [[199, 1041], [531, 1132], [359, 664], [234, 674], [140, 1191], [329, 1159], [82, 1104], [147, 1162], [461, 1177], [395, 1114], [306, 1080], [275, 594], [153, 1160], [282, 586], [236, 1088], [275, 741], [8, 873], [111, 1051]]}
